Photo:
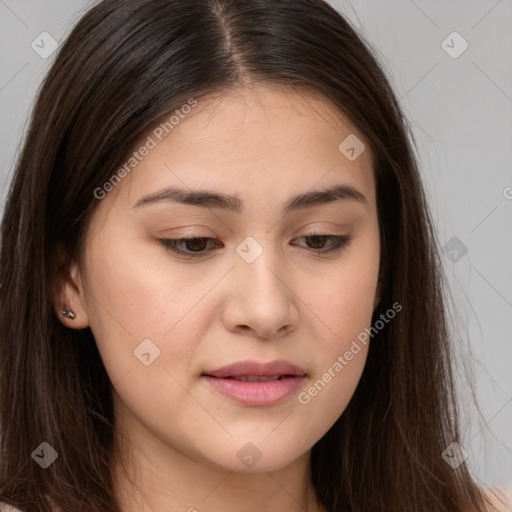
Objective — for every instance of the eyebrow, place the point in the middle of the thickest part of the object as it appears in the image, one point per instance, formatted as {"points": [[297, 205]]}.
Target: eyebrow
{"points": [[211, 199]]}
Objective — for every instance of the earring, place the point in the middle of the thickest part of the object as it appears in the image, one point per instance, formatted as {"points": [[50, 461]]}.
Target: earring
{"points": [[68, 313]]}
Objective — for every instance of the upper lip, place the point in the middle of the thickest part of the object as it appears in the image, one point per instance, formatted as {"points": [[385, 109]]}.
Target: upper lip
{"points": [[256, 369]]}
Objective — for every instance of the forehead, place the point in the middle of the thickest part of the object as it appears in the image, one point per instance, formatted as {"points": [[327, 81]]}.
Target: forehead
{"points": [[265, 138]]}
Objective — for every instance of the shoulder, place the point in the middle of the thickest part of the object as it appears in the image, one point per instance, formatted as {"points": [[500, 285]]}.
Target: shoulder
{"points": [[500, 498], [5, 507]]}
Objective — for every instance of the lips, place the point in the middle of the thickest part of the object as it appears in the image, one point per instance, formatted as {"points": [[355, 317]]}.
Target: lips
{"points": [[256, 378], [253, 370], [256, 384]]}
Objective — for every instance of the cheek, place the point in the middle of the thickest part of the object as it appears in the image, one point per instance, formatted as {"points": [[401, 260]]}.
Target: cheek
{"points": [[343, 308], [133, 296], [330, 390], [143, 324], [343, 299]]}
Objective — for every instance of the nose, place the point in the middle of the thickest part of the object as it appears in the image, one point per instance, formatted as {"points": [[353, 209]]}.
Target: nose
{"points": [[260, 299]]}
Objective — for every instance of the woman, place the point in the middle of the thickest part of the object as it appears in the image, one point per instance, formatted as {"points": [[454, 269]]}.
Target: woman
{"points": [[220, 280]]}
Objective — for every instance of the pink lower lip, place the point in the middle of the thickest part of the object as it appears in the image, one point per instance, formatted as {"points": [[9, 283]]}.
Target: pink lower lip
{"points": [[255, 393]]}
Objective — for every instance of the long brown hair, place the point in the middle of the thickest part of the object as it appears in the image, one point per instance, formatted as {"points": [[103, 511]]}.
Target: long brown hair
{"points": [[126, 64]]}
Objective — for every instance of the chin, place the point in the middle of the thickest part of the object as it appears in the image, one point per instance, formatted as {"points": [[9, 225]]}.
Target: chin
{"points": [[246, 456]]}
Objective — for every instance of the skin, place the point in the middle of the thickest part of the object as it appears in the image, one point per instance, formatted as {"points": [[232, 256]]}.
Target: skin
{"points": [[179, 438]]}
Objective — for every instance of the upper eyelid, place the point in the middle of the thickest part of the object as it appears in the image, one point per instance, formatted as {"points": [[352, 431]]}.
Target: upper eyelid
{"points": [[304, 235], [315, 230], [338, 243]]}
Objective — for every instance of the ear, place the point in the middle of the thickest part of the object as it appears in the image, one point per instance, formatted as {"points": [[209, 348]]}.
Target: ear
{"points": [[68, 292]]}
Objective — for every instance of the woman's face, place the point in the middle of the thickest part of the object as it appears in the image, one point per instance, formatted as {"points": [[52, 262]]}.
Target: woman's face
{"points": [[258, 291]]}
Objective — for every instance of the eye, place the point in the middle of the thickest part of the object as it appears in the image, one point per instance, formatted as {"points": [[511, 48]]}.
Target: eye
{"points": [[196, 247], [337, 242], [195, 244]]}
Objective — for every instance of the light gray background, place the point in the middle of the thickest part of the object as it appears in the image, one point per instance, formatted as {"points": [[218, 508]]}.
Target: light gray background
{"points": [[461, 113]]}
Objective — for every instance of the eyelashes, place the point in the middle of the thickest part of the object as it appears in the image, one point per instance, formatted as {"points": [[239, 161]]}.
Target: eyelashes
{"points": [[175, 245]]}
